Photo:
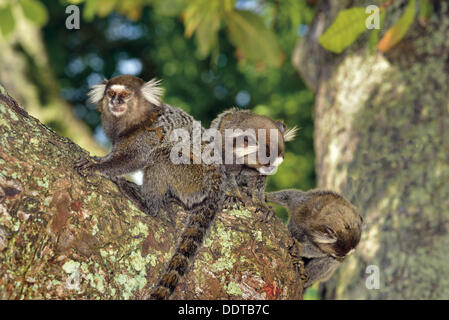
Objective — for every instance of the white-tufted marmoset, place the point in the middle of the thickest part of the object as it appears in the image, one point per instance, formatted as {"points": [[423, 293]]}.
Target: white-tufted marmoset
{"points": [[326, 225]]}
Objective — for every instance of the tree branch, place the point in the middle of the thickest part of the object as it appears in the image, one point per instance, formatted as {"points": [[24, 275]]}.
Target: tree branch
{"points": [[66, 237]]}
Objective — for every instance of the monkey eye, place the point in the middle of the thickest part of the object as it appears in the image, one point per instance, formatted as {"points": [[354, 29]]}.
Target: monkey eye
{"points": [[125, 94], [110, 93]]}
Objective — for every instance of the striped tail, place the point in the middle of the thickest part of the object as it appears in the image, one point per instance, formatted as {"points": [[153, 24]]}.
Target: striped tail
{"points": [[200, 220]]}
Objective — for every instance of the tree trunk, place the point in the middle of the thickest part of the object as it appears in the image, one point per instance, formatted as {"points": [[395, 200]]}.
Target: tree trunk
{"points": [[66, 237], [381, 138]]}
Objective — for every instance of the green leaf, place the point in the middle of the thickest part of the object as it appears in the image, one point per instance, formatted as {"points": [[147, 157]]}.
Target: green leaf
{"points": [[170, 8], [346, 28], [374, 36], [252, 38], [73, 1], [203, 17], [425, 11], [7, 22], [105, 7], [90, 8], [400, 28], [206, 34], [34, 11]]}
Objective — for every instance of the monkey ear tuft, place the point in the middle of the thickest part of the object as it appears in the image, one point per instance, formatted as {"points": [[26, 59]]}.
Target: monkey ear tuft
{"points": [[327, 235], [290, 134], [96, 93], [152, 91]]}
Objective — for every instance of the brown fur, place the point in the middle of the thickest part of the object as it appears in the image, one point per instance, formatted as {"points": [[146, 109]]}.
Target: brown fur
{"points": [[326, 225], [134, 134], [246, 175], [201, 189]]}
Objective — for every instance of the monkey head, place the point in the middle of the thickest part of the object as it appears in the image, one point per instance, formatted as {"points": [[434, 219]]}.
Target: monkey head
{"points": [[329, 221], [258, 141], [124, 95], [325, 219]]}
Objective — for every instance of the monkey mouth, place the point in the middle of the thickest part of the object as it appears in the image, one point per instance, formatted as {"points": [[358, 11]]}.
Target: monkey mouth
{"points": [[268, 170], [272, 169], [117, 110]]}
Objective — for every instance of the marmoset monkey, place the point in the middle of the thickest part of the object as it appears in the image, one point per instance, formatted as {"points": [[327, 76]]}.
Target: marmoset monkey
{"points": [[254, 175], [326, 225], [135, 120], [201, 189]]}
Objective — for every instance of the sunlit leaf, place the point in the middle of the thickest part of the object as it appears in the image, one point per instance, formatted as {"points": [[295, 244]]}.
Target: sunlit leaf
{"points": [[170, 7], [6, 20], [252, 38], [105, 7], [400, 28], [346, 28], [229, 4], [132, 9], [374, 36], [34, 11], [89, 10], [425, 11], [197, 11], [207, 34]]}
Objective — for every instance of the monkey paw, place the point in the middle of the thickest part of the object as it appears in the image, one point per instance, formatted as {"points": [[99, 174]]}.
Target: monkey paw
{"points": [[295, 251], [230, 202], [267, 212], [301, 269], [84, 167]]}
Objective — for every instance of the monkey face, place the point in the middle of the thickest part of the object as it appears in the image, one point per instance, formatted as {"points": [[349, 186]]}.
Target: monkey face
{"points": [[258, 141], [255, 148], [270, 145], [126, 94], [274, 151], [118, 97], [336, 227]]}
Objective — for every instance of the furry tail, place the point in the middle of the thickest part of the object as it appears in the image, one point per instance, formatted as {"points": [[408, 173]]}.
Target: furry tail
{"points": [[200, 220]]}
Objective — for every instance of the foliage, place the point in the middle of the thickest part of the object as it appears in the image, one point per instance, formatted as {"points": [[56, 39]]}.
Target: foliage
{"points": [[398, 31], [32, 10], [350, 24]]}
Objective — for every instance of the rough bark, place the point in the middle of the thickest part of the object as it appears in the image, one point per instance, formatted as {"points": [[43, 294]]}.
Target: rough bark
{"points": [[381, 138], [66, 237]]}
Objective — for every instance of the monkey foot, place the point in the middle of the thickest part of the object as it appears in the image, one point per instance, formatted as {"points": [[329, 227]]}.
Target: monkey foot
{"points": [[295, 251], [266, 212], [84, 167], [230, 202]]}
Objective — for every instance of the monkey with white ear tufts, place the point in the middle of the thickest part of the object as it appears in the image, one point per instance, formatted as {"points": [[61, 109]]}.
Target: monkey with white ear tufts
{"points": [[326, 226], [261, 136], [135, 120]]}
